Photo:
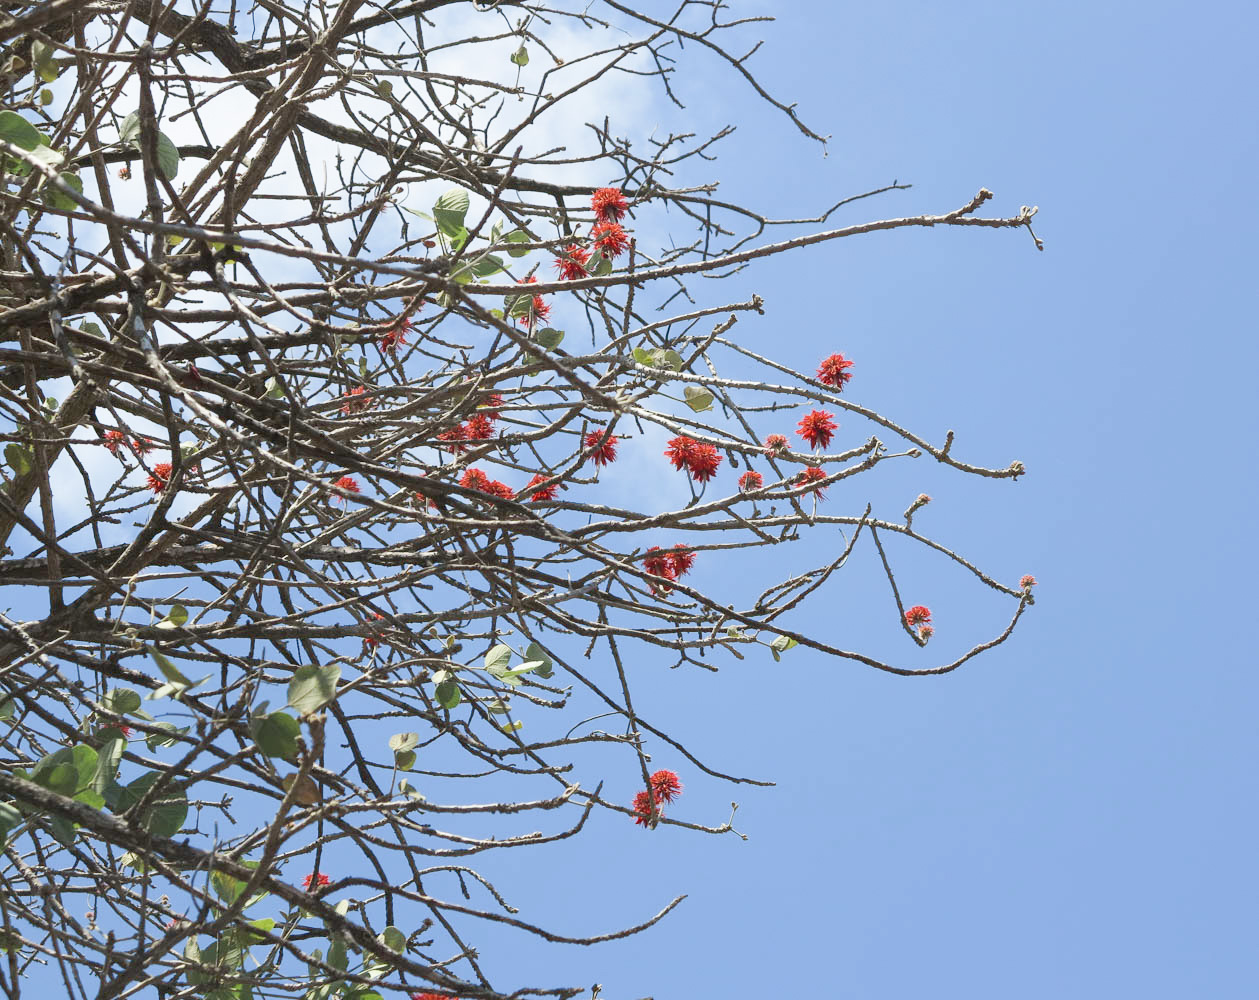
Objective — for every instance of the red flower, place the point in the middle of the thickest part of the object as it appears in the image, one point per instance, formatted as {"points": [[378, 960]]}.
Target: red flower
{"points": [[546, 493], [160, 477], [926, 632], [480, 427], [395, 337], [454, 436], [428, 502], [489, 406], [126, 731], [141, 446], [573, 264], [356, 401], [501, 490], [475, 479], [679, 451], [318, 880], [430, 996], [347, 483], [665, 786], [750, 481], [775, 444], [609, 204], [703, 462], [113, 440], [660, 563], [682, 560], [601, 445], [538, 308], [817, 427], [918, 615], [811, 475], [699, 460], [1028, 582], [642, 810], [831, 371], [610, 239]]}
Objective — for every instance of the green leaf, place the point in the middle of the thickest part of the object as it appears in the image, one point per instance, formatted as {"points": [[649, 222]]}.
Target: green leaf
{"points": [[276, 734], [129, 130], [783, 643], [156, 740], [170, 671], [6, 708], [545, 668], [10, 818], [644, 356], [400, 742], [20, 460], [165, 815], [393, 939], [384, 88], [599, 265], [447, 692], [517, 236], [404, 760], [107, 762], [167, 156], [498, 706], [42, 57], [45, 97], [511, 727], [549, 338], [521, 56], [497, 659], [698, 399], [176, 617], [274, 389], [449, 211], [313, 687], [671, 358], [17, 130], [228, 888], [58, 199], [121, 701]]}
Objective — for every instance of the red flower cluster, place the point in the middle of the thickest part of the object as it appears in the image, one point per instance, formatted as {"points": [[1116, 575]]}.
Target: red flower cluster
{"points": [[918, 615], [609, 204], [475, 479], [699, 460], [573, 264], [480, 427], [817, 427], [546, 493], [812, 475], [454, 439], [347, 483], [538, 308], [775, 444], [832, 371], [318, 880], [610, 239], [601, 445], [113, 440], [160, 478], [668, 565], [395, 337], [1028, 582], [356, 401], [665, 787], [750, 481]]}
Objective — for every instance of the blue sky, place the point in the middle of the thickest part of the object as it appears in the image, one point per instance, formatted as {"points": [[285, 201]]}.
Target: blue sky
{"points": [[1072, 814]]}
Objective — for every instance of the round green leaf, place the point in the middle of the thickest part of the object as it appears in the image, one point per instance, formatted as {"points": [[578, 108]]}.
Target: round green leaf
{"points": [[404, 741], [17, 130], [313, 687], [276, 734]]}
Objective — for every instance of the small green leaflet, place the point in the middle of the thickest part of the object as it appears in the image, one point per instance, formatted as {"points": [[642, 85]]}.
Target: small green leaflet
{"points": [[545, 668], [698, 399], [449, 211], [17, 130], [781, 645], [549, 338], [175, 618], [313, 687], [496, 659], [521, 56], [20, 460]]}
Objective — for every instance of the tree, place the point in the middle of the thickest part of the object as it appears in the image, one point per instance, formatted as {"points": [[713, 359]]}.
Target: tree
{"points": [[345, 349]]}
